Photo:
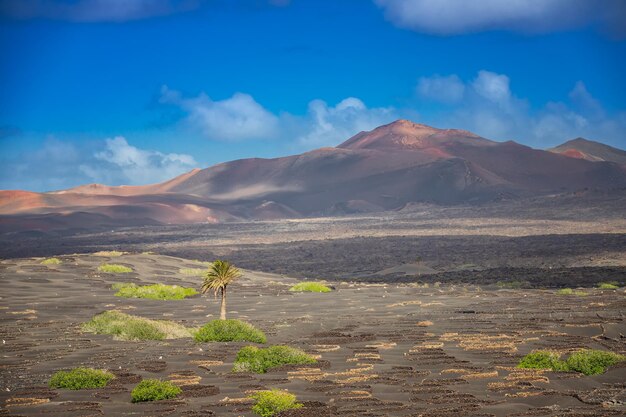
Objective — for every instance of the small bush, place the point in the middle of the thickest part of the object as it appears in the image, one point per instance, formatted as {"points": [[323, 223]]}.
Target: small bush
{"points": [[109, 253], [542, 359], [269, 403], [114, 269], [193, 272], [253, 359], [51, 261], [588, 361], [310, 287], [154, 390], [592, 362], [613, 285], [127, 327], [229, 331], [569, 291], [154, 291], [80, 378]]}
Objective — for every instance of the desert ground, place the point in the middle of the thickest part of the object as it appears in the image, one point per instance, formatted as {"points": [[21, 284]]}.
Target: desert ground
{"points": [[565, 240], [384, 349]]}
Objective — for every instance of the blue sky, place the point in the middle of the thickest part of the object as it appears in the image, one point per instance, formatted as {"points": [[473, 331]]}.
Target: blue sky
{"points": [[137, 91]]}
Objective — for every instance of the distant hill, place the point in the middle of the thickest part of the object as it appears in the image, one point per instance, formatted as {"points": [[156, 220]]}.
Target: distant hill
{"points": [[384, 169], [582, 148]]}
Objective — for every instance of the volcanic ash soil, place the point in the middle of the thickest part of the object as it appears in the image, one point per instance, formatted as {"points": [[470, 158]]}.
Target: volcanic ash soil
{"points": [[383, 349]]}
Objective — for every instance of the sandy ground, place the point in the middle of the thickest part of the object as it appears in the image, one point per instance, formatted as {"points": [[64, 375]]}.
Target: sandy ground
{"points": [[384, 350]]}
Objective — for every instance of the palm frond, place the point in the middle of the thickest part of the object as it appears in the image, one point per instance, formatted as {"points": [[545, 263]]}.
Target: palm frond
{"points": [[219, 275]]}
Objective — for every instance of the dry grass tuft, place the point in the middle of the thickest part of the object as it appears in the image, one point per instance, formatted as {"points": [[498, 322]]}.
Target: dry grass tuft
{"points": [[23, 312], [405, 303], [482, 342], [112, 253], [25, 401], [481, 375], [245, 400], [383, 345], [182, 379], [325, 348]]}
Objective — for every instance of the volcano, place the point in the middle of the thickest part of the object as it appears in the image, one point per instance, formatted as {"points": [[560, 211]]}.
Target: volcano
{"points": [[383, 169], [590, 150]]}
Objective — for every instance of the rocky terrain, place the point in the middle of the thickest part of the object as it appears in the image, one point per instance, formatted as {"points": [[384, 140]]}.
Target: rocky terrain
{"points": [[382, 349]]}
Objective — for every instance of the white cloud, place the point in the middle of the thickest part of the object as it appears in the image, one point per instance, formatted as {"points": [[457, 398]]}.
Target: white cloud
{"points": [[141, 166], [63, 164], [494, 87], [491, 109], [239, 117], [445, 89], [326, 125], [449, 17]]}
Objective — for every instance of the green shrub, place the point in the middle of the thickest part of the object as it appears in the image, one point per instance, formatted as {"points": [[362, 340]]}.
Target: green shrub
{"points": [[588, 361], [154, 390], [253, 359], [113, 253], [269, 403], [154, 291], [229, 331], [310, 287], [192, 272], [114, 268], [127, 327], [592, 362], [80, 378], [51, 261], [613, 285], [569, 291], [542, 359]]}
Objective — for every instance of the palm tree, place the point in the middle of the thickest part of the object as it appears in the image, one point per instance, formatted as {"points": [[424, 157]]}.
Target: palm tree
{"points": [[217, 279]]}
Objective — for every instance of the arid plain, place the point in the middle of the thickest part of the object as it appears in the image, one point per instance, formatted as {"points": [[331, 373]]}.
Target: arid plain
{"points": [[383, 349], [432, 310]]}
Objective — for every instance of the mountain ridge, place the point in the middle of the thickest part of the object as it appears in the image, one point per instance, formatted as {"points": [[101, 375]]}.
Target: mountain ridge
{"points": [[590, 150], [383, 169]]}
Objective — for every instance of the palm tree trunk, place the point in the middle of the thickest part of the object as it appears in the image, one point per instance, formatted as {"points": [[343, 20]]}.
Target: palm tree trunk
{"points": [[223, 305]]}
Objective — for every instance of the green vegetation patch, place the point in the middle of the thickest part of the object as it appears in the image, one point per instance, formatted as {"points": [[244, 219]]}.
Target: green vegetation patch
{"points": [[229, 331], [310, 287], [51, 261], [254, 359], [593, 362], [81, 378], [542, 359], [192, 272], [569, 291], [114, 269], [127, 327], [612, 285], [153, 292], [154, 390], [109, 253], [588, 361], [270, 403]]}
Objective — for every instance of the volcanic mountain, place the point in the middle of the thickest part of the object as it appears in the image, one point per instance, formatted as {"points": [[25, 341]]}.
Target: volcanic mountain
{"points": [[384, 169], [582, 148]]}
